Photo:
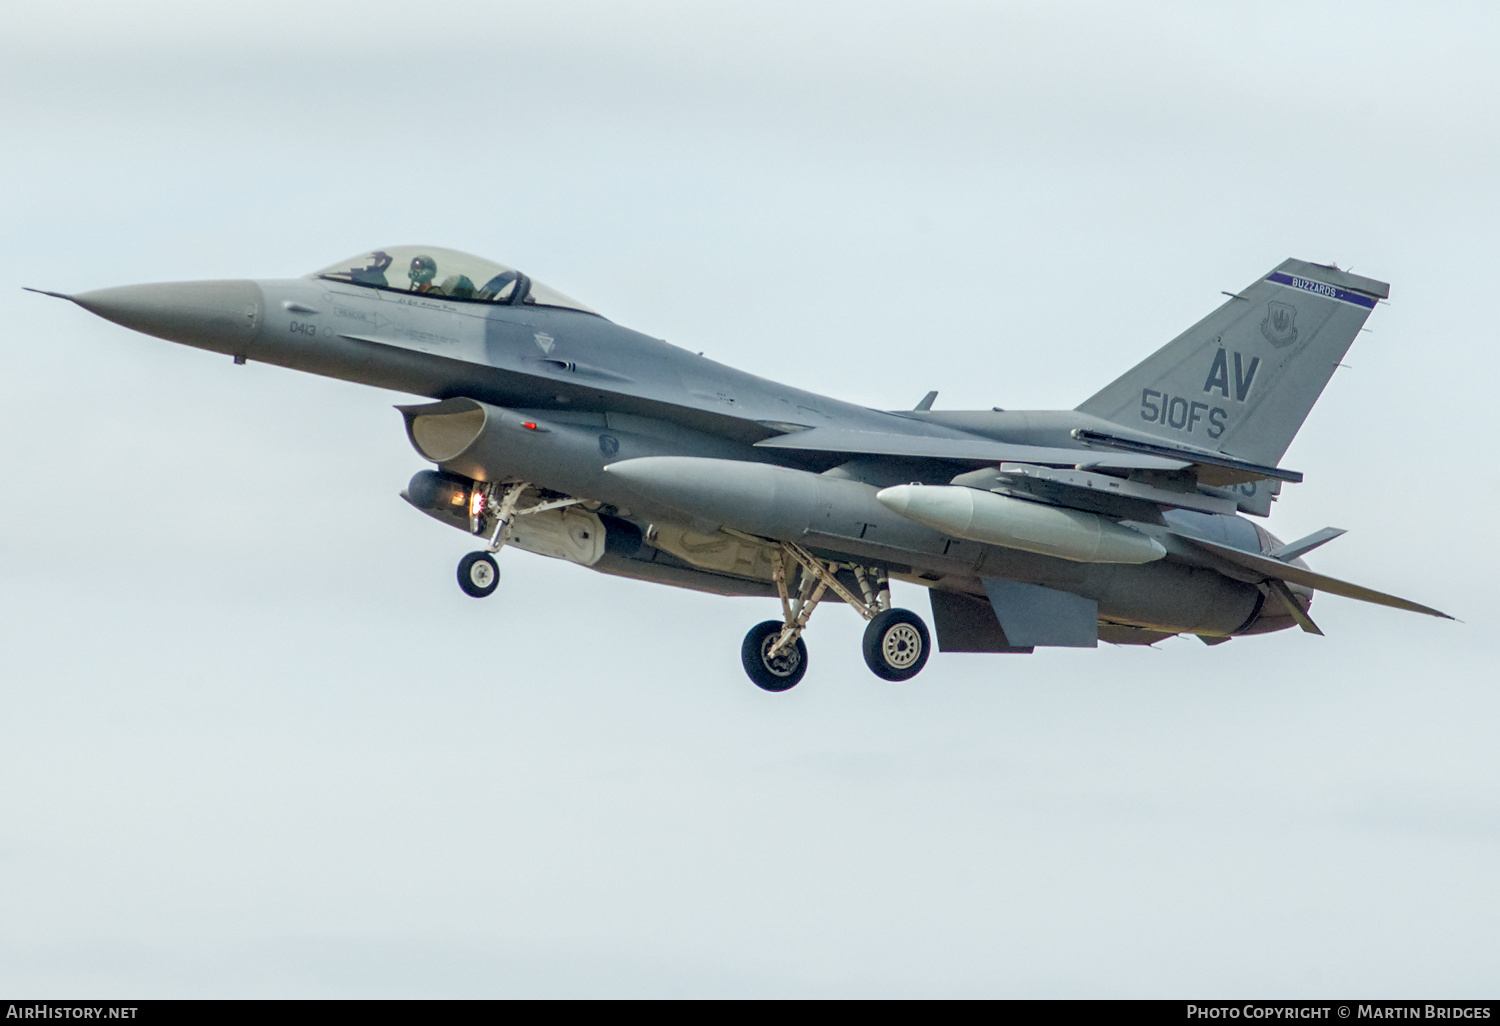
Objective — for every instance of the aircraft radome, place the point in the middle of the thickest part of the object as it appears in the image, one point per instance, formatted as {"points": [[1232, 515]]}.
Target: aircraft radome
{"points": [[555, 430]]}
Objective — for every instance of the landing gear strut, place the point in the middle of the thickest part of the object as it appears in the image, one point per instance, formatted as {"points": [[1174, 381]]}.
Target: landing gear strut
{"points": [[896, 643], [478, 573]]}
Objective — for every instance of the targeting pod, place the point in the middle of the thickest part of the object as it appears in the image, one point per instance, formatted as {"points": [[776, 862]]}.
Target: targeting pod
{"points": [[1018, 524]]}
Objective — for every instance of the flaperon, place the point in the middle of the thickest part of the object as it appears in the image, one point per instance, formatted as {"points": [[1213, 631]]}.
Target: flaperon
{"points": [[560, 432]]}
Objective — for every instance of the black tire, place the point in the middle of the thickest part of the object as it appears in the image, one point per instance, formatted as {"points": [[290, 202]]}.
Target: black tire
{"points": [[780, 674], [897, 644], [478, 574]]}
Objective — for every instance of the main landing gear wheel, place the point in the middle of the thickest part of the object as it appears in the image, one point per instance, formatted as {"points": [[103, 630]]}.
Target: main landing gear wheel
{"points": [[478, 574], [896, 644], [776, 673]]}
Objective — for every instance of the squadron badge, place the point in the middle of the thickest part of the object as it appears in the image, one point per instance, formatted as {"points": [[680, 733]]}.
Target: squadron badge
{"points": [[1280, 325]]}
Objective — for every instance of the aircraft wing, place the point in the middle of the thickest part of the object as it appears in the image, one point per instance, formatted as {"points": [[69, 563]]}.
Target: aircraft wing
{"points": [[978, 450], [1276, 570]]}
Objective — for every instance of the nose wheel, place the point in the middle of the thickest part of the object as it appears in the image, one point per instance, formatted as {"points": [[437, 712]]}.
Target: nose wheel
{"points": [[478, 574], [492, 509]]}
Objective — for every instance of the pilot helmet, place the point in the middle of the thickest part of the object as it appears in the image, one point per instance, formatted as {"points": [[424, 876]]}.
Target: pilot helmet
{"points": [[423, 270]]}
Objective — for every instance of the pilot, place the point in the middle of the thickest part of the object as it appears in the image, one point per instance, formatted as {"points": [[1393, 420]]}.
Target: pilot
{"points": [[374, 272], [423, 270]]}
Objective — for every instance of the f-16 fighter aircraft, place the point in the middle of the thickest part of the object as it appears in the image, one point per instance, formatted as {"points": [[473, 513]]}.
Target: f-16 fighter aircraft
{"points": [[557, 431]]}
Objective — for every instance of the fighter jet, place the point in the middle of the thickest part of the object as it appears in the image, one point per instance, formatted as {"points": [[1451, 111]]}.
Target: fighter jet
{"points": [[557, 431]]}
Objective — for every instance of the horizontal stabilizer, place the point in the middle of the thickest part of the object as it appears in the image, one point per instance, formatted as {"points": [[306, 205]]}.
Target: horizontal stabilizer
{"points": [[976, 450], [1276, 570]]}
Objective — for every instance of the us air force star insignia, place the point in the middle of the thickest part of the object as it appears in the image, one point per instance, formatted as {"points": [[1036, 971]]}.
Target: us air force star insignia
{"points": [[1280, 325], [543, 341]]}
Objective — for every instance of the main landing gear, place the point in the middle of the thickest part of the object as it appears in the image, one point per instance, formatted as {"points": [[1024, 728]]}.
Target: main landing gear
{"points": [[493, 507], [896, 643]]}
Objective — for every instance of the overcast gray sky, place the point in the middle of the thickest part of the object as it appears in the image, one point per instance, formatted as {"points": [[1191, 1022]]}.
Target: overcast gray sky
{"points": [[255, 742]]}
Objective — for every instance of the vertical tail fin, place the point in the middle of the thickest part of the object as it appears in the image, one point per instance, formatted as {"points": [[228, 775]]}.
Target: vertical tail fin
{"points": [[1243, 379]]}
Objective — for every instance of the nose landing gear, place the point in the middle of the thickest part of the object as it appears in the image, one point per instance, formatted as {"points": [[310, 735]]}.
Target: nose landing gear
{"points": [[478, 573], [896, 642]]}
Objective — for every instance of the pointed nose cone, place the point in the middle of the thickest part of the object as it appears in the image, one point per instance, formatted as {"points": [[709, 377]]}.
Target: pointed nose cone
{"points": [[897, 498], [223, 316], [943, 507]]}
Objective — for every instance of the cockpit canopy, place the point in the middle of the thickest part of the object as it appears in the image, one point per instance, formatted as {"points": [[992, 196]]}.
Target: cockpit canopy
{"points": [[445, 273]]}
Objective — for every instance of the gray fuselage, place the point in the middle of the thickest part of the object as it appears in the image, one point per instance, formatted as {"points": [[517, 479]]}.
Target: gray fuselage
{"points": [[588, 376]]}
